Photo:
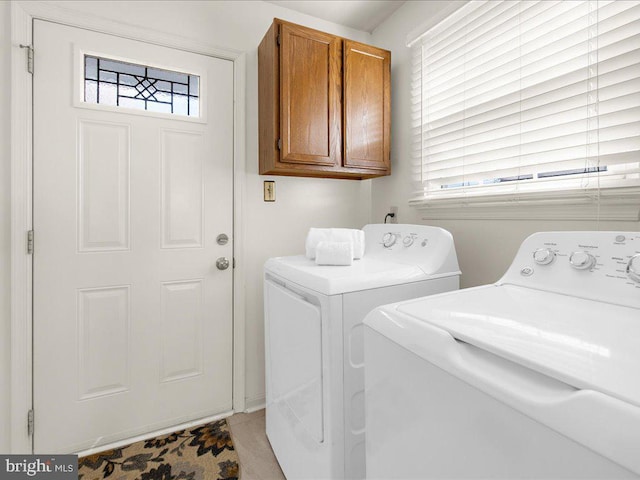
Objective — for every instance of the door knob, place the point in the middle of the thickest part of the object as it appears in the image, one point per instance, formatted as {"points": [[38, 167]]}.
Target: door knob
{"points": [[222, 263]]}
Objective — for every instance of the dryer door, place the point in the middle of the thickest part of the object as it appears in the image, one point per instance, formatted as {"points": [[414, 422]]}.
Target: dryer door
{"points": [[294, 358]]}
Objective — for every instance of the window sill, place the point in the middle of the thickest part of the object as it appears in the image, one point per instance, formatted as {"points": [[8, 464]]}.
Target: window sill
{"points": [[621, 204]]}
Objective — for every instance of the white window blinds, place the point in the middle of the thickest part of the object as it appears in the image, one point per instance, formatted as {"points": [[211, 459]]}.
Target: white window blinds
{"points": [[526, 98]]}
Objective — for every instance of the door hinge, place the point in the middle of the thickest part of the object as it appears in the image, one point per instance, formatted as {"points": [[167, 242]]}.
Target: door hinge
{"points": [[30, 242], [233, 262], [279, 144], [278, 39], [30, 422], [29, 57]]}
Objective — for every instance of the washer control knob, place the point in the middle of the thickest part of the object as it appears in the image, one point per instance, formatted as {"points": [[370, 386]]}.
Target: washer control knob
{"points": [[543, 256], [582, 260], [389, 239], [633, 268], [407, 241], [526, 272]]}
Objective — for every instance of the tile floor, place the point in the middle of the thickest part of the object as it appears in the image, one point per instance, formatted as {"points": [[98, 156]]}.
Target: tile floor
{"points": [[257, 461]]}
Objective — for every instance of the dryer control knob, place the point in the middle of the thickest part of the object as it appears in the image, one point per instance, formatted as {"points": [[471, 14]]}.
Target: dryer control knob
{"points": [[543, 256], [633, 268], [389, 239], [408, 241], [582, 260]]}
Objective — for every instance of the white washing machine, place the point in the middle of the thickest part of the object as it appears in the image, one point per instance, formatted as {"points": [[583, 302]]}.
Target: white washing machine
{"points": [[314, 342], [537, 376]]}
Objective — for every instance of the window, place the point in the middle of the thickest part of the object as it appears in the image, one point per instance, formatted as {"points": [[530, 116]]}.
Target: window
{"points": [[526, 101], [121, 84]]}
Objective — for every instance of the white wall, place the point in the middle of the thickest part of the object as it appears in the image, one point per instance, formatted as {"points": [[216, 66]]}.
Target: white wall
{"points": [[270, 228], [485, 247], [5, 222]]}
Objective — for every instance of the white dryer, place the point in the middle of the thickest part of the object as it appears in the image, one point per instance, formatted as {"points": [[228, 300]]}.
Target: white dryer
{"points": [[536, 376], [314, 342]]}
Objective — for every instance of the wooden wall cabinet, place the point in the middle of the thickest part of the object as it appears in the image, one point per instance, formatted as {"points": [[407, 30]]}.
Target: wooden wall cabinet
{"points": [[324, 105]]}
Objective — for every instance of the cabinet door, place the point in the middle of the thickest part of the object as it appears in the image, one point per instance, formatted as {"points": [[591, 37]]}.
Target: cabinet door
{"points": [[367, 106], [310, 85]]}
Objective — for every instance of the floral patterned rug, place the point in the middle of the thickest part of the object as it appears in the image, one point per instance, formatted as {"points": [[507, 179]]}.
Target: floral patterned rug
{"points": [[201, 453]]}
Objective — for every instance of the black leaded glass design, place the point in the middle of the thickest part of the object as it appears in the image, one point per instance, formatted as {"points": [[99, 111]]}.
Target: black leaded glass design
{"points": [[121, 84]]}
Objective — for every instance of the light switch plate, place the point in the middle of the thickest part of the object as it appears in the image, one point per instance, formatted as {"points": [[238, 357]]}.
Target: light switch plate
{"points": [[269, 191]]}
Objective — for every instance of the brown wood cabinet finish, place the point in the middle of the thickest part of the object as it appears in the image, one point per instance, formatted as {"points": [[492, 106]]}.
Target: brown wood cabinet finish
{"points": [[367, 106], [310, 89], [324, 105]]}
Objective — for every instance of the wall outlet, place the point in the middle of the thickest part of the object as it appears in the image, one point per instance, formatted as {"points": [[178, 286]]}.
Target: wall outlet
{"points": [[394, 210]]}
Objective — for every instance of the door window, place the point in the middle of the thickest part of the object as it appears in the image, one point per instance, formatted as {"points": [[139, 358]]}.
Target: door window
{"points": [[121, 84]]}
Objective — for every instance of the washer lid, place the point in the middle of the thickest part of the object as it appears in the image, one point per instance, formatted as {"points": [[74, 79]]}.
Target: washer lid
{"points": [[585, 343], [366, 273]]}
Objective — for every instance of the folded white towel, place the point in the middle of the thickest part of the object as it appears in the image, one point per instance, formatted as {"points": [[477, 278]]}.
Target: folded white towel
{"points": [[334, 253], [317, 235]]}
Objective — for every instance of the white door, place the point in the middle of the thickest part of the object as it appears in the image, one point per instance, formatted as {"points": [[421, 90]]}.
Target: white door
{"points": [[132, 319]]}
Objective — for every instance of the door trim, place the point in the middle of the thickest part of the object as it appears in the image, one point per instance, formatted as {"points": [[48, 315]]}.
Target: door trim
{"points": [[21, 362]]}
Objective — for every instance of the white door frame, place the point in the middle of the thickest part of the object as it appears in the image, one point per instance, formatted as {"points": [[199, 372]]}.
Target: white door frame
{"points": [[22, 15]]}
